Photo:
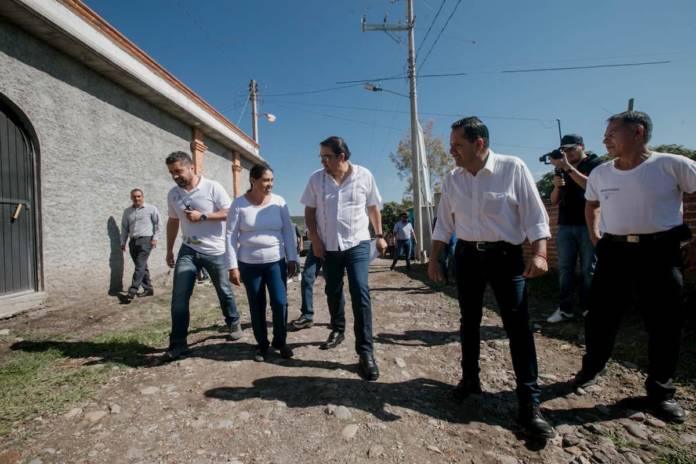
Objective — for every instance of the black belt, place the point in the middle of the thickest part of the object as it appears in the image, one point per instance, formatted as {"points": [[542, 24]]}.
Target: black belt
{"points": [[483, 246], [679, 233]]}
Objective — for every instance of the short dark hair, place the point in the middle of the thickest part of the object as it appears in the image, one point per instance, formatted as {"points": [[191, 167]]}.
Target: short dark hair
{"points": [[137, 190], [473, 128], [635, 118], [181, 156], [337, 145]]}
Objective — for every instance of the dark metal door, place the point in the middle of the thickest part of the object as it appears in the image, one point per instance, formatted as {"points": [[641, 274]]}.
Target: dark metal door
{"points": [[17, 223]]}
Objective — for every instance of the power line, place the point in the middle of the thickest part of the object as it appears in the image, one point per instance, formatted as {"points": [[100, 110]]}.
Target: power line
{"points": [[432, 23], [510, 71], [307, 92], [426, 113], [440, 34], [325, 115]]}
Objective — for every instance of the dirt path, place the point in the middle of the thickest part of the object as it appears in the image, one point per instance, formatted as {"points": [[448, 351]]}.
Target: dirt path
{"points": [[218, 405]]}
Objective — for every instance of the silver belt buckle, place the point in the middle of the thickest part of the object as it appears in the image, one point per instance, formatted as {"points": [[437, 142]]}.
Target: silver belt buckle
{"points": [[479, 246], [633, 238]]}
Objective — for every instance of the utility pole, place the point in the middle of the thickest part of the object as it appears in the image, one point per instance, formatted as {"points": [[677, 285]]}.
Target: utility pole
{"points": [[630, 104], [253, 88], [415, 161]]}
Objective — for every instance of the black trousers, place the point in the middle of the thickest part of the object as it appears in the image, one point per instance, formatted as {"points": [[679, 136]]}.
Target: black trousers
{"points": [[140, 249], [502, 268], [648, 275]]}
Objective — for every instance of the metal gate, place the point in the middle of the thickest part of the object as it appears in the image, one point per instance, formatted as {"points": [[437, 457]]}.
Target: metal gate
{"points": [[17, 218]]}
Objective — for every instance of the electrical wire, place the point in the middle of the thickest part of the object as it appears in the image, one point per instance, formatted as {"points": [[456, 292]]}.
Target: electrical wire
{"points": [[437, 39], [308, 92], [432, 23]]}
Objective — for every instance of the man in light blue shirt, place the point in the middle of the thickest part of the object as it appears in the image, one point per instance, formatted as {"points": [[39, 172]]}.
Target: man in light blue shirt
{"points": [[403, 231], [140, 227]]}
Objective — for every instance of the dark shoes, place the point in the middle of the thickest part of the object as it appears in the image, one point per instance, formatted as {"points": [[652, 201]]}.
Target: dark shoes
{"points": [[465, 387], [534, 423], [285, 352], [175, 352], [235, 331], [335, 339], [367, 367], [584, 379], [260, 354], [668, 410], [301, 323], [145, 293]]}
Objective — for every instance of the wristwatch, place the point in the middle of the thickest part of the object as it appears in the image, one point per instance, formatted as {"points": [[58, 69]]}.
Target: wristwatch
{"points": [[204, 217]]}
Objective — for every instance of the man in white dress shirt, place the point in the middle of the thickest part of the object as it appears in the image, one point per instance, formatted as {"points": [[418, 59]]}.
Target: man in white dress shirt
{"points": [[634, 216], [403, 230], [492, 204], [340, 201]]}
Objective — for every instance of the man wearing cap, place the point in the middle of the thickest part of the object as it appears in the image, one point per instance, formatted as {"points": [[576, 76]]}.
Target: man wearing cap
{"points": [[491, 202], [634, 216], [572, 238]]}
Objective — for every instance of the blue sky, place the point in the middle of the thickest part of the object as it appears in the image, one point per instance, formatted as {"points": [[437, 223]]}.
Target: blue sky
{"points": [[217, 46]]}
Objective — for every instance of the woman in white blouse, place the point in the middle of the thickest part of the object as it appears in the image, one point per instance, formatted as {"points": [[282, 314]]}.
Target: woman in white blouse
{"points": [[261, 252]]}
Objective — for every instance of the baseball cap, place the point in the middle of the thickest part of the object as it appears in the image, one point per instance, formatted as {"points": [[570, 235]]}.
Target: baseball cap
{"points": [[571, 139]]}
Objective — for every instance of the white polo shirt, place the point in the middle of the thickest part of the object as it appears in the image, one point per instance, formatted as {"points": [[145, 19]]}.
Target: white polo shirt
{"points": [[341, 210], [500, 203], [207, 237], [645, 199]]}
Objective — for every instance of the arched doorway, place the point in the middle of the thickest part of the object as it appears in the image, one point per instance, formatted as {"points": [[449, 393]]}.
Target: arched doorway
{"points": [[18, 218]]}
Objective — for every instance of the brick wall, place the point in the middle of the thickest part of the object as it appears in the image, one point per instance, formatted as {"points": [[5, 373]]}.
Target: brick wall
{"points": [[689, 218]]}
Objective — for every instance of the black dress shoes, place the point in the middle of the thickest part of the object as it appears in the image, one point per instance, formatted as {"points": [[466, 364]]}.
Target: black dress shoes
{"points": [[335, 339], [367, 367], [534, 423], [465, 387], [668, 410]]}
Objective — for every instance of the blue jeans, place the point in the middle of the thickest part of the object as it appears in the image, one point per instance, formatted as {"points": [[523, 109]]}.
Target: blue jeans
{"points": [[403, 246], [311, 268], [257, 278], [355, 261], [502, 268], [188, 263], [572, 241]]}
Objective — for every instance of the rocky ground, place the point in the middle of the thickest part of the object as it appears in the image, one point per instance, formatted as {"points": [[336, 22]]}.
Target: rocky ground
{"points": [[219, 406]]}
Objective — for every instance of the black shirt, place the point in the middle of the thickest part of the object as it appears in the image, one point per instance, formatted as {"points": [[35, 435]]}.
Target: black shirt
{"points": [[571, 208]]}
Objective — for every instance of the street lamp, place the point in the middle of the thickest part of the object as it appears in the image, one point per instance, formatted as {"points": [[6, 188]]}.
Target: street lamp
{"points": [[375, 88]]}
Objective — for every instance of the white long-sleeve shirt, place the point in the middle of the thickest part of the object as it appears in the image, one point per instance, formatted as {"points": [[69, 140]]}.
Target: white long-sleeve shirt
{"points": [[500, 203], [259, 234]]}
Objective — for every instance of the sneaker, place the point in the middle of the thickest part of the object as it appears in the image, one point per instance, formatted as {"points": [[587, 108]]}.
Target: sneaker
{"points": [[559, 316], [235, 331], [175, 352], [301, 323], [145, 293], [285, 352], [260, 354]]}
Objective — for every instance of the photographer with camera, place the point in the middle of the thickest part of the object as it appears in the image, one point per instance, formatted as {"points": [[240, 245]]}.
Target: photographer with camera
{"points": [[572, 168]]}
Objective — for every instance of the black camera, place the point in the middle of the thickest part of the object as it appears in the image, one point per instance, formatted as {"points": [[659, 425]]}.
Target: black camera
{"points": [[556, 155]]}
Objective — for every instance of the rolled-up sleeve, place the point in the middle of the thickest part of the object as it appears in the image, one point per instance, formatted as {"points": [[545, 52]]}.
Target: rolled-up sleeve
{"points": [[533, 216], [591, 187], [232, 236], [373, 196], [444, 226]]}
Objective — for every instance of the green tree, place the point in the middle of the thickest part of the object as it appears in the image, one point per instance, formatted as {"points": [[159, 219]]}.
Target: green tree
{"points": [[439, 162], [676, 149]]}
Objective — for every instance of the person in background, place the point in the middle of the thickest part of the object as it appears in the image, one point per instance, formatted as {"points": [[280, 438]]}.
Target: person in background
{"points": [[140, 227], [405, 238]]}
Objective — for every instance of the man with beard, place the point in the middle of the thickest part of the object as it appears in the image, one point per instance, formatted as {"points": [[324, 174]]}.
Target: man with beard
{"points": [[199, 205]]}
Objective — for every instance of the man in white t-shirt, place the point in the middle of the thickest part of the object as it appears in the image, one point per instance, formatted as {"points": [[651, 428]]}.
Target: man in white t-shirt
{"points": [[403, 231], [340, 202], [634, 217], [199, 206]]}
